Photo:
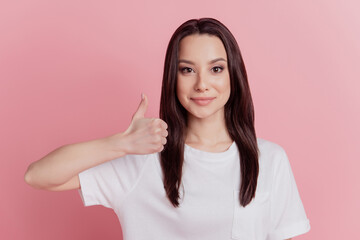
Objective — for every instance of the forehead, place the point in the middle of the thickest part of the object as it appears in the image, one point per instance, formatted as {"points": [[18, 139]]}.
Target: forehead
{"points": [[201, 47]]}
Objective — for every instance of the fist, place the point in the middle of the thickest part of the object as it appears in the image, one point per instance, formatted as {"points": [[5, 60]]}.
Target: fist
{"points": [[145, 135]]}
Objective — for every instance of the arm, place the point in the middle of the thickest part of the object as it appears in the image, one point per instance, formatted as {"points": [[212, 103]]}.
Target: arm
{"points": [[59, 169]]}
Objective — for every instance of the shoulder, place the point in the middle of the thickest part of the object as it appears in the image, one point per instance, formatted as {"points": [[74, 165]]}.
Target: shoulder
{"points": [[268, 149], [273, 163], [271, 154], [266, 146]]}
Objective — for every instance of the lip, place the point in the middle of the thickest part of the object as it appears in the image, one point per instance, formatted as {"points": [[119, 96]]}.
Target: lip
{"points": [[203, 98], [202, 101]]}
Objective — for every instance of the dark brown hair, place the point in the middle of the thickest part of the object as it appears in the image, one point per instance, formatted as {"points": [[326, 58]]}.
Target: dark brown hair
{"points": [[239, 112]]}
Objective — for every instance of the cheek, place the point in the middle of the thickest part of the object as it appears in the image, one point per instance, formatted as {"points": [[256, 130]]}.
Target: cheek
{"points": [[181, 87], [224, 86]]}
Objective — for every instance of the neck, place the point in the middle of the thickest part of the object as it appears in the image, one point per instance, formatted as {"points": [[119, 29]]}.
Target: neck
{"points": [[211, 131]]}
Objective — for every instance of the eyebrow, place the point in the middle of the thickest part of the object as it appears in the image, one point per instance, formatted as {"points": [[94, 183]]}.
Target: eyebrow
{"points": [[210, 62]]}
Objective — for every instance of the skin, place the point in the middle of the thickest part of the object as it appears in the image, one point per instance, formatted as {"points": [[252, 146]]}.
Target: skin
{"points": [[200, 75], [203, 72], [59, 170]]}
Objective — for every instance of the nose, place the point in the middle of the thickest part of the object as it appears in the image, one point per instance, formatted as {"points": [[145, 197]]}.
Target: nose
{"points": [[200, 84]]}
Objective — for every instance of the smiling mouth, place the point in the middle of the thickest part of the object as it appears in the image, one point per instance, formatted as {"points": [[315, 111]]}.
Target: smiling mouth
{"points": [[203, 101]]}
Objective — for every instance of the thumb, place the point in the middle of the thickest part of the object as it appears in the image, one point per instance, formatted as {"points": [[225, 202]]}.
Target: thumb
{"points": [[140, 112]]}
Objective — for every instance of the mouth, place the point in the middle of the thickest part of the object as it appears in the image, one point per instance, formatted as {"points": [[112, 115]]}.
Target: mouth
{"points": [[202, 101]]}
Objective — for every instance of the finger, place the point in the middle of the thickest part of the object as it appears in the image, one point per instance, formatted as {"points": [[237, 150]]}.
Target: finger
{"points": [[140, 112], [158, 130], [164, 133], [164, 125]]}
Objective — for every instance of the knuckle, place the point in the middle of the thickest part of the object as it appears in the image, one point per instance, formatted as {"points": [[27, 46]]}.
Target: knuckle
{"points": [[158, 131], [159, 123], [153, 130], [155, 124]]}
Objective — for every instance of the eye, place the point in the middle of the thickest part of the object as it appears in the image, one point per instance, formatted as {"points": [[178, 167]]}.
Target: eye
{"points": [[217, 69], [186, 70]]}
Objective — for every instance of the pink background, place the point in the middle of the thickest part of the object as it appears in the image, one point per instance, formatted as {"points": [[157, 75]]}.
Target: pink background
{"points": [[73, 71]]}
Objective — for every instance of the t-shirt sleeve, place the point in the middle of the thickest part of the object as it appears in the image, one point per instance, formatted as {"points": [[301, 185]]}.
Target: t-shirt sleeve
{"points": [[109, 182], [288, 217]]}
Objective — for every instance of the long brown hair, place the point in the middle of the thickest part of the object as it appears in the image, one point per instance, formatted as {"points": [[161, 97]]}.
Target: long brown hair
{"points": [[239, 112]]}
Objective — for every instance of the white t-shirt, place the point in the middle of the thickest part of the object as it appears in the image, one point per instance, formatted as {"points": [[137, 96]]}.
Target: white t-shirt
{"points": [[209, 208]]}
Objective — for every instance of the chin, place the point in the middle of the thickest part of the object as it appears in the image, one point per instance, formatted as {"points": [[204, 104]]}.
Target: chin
{"points": [[202, 115]]}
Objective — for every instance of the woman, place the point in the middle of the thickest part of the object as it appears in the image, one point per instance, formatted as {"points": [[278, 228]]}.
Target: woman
{"points": [[198, 172]]}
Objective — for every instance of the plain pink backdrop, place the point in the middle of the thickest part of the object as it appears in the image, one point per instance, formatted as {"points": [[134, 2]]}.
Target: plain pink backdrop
{"points": [[73, 71]]}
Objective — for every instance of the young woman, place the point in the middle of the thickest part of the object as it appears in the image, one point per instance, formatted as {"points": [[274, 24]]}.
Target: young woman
{"points": [[197, 172]]}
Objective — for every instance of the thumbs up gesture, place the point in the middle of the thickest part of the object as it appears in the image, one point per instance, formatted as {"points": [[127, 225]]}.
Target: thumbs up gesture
{"points": [[145, 135]]}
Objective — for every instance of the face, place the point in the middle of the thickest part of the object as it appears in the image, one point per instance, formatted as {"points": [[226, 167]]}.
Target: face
{"points": [[203, 82]]}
